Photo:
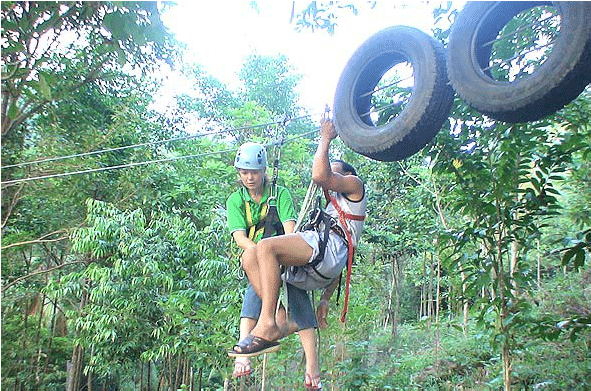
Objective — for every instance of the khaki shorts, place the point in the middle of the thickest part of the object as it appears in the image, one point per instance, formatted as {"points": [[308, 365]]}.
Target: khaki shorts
{"points": [[331, 266]]}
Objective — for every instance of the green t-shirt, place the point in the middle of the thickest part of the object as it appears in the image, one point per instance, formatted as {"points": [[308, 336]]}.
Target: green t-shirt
{"points": [[237, 210]]}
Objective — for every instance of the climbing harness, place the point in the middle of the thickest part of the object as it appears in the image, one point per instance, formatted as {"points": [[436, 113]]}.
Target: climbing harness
{"points": [[253, 230], [343, 217], [269, 222], [254, 156], [323, 223]]}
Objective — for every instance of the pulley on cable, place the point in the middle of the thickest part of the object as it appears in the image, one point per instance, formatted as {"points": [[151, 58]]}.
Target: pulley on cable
{"points": [[272, 222]]}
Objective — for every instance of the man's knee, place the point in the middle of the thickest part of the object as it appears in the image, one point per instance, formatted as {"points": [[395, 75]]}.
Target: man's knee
{"points": [[249, 257], [266, 247]]}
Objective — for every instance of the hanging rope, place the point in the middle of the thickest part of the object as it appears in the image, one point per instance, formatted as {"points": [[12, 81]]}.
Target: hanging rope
{"points": [[307, 205], [280, 135]]}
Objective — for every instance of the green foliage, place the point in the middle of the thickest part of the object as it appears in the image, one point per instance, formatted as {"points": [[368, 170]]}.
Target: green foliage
{"points": [[23, 341], [209, 103], [460, 360], [156, 286], [139, 258], [93, 36], [507, 191], [578, 250], [270, 82], [321, 15]]}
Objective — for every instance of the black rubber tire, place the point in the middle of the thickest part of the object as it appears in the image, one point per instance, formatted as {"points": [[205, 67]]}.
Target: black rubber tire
{"points": [[560, 79], [425, 112]]}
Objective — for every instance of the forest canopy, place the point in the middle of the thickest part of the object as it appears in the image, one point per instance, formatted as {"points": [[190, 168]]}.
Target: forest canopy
{"points": [[118, 271]]}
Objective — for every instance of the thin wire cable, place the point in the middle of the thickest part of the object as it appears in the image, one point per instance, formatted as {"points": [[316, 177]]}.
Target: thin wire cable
{"points": [[520, 29], [127, 165], [15, 181], [386, 86], [46, 160], [273, 143], [520, 54]]}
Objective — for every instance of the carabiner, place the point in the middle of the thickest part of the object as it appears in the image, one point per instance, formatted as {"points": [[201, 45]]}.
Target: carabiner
{"points": [[326, 114]]}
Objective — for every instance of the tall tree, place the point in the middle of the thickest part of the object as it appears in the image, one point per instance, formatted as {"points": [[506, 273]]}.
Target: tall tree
{"points": [[270, 82], [63, 93], [95, 36]]}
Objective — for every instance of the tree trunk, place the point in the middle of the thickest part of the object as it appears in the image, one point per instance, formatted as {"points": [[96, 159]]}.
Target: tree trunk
{"points": [[76, 366], [141, 376], [390, 307], [178, 373], [437, 294], [38, 340], [149, 375], [420, 314], [466, 306], [423, 290], [89, 378], [51, 334], [170, 374], [186, 373], [162, 375], [20, 355], [503, 312], [437, 299], [74, 369], [507, 367], [451, 305], [513, 265], [69, 370], [539, 267], [430, 310], [396, 270]]}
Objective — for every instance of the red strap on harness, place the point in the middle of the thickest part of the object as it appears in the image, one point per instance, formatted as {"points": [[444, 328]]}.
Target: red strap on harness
{"points": [[343, 216]]}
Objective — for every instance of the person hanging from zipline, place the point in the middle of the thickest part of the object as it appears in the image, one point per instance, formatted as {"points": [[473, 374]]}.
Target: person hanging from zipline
{"points": [[318, 255], [262, 209]]}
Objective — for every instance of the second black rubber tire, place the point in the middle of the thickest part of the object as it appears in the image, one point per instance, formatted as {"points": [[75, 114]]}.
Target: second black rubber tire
{"points": [[560, 79]]}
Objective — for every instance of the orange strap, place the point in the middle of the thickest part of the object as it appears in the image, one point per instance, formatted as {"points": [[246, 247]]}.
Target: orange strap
{"points": [[343, 216]]}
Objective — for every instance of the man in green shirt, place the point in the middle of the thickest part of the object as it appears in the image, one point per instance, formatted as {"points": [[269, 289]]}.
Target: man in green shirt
{"points": [[246, 208]]}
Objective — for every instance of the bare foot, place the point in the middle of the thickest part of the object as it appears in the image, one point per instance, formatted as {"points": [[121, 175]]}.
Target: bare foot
{"points": [[287, 327], [270, 333], [242, 367]]}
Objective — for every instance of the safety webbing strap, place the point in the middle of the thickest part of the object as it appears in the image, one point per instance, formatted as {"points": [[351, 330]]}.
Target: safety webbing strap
{"points": [[343, 216], [318, 217], [272, 223], [348, 216], [255, 229]]}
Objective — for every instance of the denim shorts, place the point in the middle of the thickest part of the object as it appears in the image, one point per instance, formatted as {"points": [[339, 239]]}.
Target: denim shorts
{"points": [[300, 308]]}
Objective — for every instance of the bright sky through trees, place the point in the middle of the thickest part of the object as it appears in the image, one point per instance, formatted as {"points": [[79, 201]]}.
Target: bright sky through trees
{"points": [[219, 35]]}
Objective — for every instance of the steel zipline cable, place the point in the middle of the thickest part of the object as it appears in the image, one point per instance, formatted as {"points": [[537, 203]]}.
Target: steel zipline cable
{"points": [[15, 181], [163, 160], [58, 158]]}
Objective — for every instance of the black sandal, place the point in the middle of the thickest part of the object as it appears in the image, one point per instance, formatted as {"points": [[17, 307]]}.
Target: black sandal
{"points": [[253, 346]]}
